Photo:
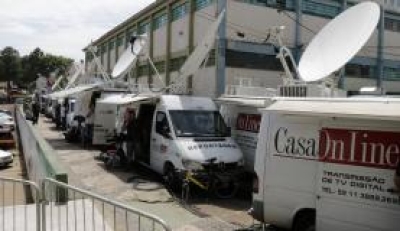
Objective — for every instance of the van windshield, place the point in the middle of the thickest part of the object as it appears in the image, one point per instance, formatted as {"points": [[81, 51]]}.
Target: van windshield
{"points": [[198, 123]]}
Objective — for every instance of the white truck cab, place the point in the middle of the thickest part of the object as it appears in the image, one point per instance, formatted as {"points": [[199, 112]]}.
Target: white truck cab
{"points": [[328, 164]]}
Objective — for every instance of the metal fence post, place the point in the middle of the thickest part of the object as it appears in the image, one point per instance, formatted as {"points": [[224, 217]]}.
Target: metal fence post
{"points": [[43, 204]]}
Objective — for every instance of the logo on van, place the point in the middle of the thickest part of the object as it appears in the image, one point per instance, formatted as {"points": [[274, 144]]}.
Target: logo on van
{"points": [[248, 122], [289, 145], [379, 149]]}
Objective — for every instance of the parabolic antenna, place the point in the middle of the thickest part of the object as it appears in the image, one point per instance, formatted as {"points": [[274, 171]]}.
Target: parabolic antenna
{"points": [[128, 58], [339, 41], [57, 82], [197, 57], [75, 76]]}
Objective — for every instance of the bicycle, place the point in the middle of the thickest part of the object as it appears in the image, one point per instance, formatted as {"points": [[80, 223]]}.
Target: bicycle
{"points": [[222, 185]]}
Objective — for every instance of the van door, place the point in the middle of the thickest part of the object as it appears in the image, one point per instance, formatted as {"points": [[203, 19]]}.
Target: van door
{"points": [[355, 176], [160, 141], [144, 128], [104, 123]]}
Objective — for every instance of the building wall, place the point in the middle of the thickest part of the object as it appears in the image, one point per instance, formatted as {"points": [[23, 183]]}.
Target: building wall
{"points": [[254, 25], [268, 79], [202, 20], [250, 27], [180, 35], [160, 42]]}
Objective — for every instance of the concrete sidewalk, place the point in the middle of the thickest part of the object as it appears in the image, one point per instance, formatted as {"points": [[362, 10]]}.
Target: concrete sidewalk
{"points": [[142, 191]]}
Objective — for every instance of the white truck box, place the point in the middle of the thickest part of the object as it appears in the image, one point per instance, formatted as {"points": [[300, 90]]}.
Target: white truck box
{"points": [[329, 162]]}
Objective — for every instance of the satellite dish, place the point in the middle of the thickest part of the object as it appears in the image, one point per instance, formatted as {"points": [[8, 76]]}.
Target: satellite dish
{"points": [[197, 57], [57, 82], [128, 58], [74, 77], [339, 41]]}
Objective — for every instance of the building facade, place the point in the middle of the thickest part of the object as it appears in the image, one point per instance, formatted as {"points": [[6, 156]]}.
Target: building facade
{"points": [[243, 53]]}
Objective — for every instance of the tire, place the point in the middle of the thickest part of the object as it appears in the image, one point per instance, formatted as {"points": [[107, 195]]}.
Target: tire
{"points": [[225, 188], [305, 221], [170, 176]]}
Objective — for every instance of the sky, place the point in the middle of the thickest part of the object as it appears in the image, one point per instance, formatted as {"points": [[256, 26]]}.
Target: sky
{"points": [[61, 27]]}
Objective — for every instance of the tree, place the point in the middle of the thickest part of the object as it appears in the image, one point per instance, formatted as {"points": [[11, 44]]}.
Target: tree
{"points": [[38, 62], [11, 65]]}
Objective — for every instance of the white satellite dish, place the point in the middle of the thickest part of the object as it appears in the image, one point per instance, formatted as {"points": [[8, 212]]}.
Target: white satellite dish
{"points": [[57, 82], [128, 58], [197, 57], [339, 41], [74, 77]]}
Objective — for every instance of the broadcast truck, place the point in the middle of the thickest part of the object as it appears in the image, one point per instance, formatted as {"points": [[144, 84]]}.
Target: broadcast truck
{"points": [[179, 133], [328, 164]]}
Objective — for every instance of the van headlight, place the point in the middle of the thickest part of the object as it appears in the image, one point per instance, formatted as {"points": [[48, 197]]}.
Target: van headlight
{"points": [[192, 165]]}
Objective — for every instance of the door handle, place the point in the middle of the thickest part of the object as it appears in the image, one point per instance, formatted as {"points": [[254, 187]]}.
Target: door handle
{"points": [[154, 139]]}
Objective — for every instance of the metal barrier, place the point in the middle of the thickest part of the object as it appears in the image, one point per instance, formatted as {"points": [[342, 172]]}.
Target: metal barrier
{"points": [[87, 211], [40, 160], [16, 212]]}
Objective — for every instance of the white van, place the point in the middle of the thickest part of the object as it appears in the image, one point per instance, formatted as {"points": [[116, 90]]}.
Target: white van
{"points": [[243, 116], [180, 132], [328, 164], [241, 109], [105, 115]]}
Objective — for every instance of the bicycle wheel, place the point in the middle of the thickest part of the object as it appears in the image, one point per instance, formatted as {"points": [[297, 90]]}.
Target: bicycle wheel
{"points": [[225, 188]]}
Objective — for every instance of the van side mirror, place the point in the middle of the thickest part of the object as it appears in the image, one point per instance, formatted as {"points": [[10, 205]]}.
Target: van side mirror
{"points": [[166, 132]]}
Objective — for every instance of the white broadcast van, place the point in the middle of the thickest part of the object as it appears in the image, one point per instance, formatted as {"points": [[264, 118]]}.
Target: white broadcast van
{"points": [[241, 109], [105, 115], [180, 132], [328, 164]]}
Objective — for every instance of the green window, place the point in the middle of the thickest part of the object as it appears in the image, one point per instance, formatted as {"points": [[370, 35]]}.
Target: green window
{"points": [[392, 22], [360, 71], [120, 40], [111, 44], [391, 73], [143, 70], [143, 28], [176, 63], [329, 9], [281, 4], [179, 11], [160, 21], [103, 49], [200, 4], [160, 67]]}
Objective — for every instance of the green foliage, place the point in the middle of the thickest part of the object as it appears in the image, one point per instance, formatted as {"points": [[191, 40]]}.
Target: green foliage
{"points": [[24, 70], [10, 64]]}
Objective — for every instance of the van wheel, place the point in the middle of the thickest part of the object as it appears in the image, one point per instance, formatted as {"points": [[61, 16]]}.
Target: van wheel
{"points": [[305, 221], [225, 189], [170, 177]]}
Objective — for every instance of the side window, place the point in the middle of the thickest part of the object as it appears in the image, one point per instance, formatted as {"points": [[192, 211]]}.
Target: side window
{"points": [[162, 126]]}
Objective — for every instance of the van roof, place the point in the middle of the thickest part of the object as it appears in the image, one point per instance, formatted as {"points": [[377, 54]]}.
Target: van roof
{"points": [[377, 108], [258, 102], [179, 102], [123, 99]]}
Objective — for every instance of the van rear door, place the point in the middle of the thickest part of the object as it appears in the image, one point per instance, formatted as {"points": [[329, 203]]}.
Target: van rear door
{"points": [[104, 123]]}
